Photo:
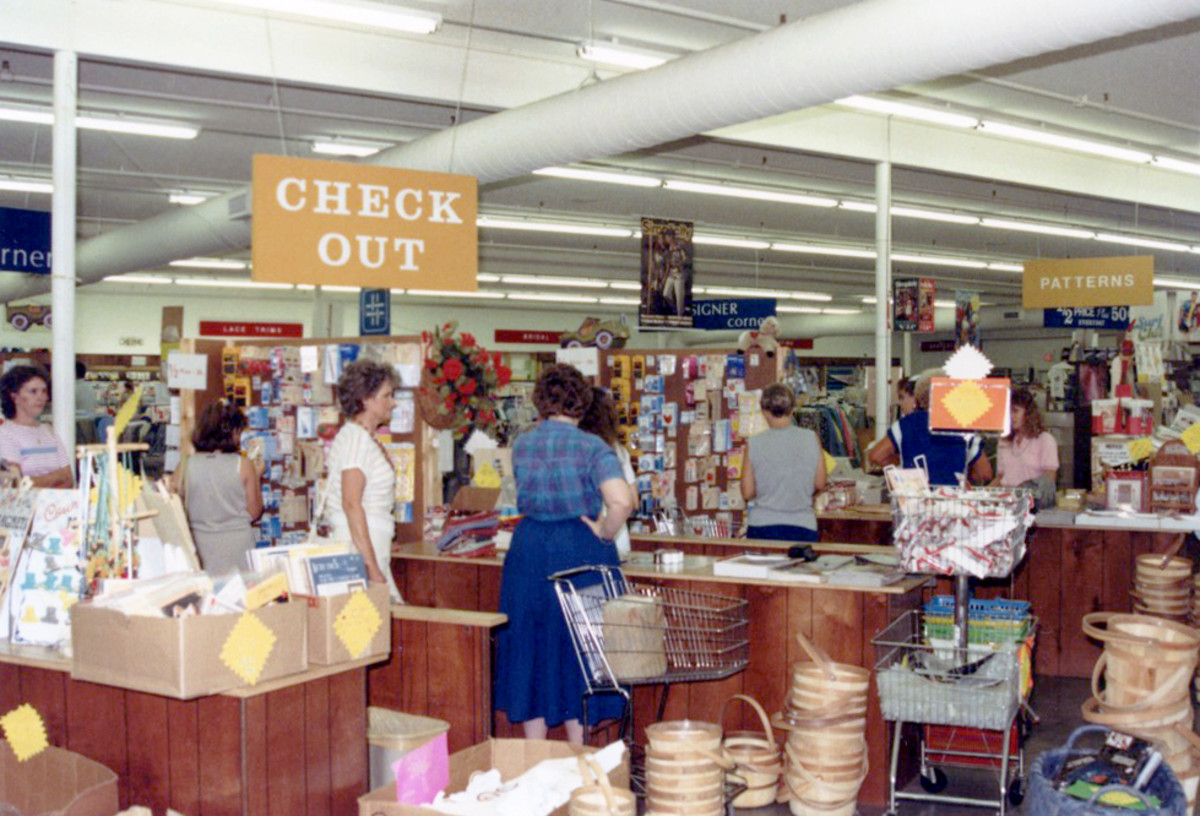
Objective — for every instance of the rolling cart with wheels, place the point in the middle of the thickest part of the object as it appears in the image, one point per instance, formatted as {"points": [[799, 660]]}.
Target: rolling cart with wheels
{"points": [[960, 674]]}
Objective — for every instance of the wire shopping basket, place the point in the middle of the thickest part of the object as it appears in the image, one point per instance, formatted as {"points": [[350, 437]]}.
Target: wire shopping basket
{"points": [[954, 531]]}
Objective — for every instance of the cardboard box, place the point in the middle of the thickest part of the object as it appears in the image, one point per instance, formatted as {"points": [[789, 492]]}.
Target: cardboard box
{"points": [[57, 782], [475, 499], [512, 757], [325, 647], [180, 657]]}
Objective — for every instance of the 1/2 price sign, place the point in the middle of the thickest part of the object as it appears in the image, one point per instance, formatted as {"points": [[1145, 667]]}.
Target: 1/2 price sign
{"points": [[1087, 317]]}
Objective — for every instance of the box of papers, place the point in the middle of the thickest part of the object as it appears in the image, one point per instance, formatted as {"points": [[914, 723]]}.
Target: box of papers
{"points": [[187, 657], [348, 627]]}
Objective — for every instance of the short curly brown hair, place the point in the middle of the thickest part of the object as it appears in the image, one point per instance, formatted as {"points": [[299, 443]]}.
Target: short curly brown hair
{"points": [[562, 390], [359, 381]]}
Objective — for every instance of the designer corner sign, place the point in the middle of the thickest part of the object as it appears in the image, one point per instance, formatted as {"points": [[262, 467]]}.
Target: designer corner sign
{"points": [[1126, 281], [329, 222]]}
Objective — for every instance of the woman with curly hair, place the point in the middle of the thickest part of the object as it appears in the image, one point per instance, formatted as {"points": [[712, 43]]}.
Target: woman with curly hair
{"points": [[1029, 452], [221, 490], [25, 441], [362, 477], [565, 477]]}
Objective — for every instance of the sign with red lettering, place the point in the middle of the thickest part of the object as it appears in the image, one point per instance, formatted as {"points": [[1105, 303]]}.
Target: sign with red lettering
{"points": [[796, 342], [232, 328], [937, 345], [548, 338]]}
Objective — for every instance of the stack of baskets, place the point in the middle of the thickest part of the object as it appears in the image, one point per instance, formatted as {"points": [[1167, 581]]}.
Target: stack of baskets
{"points": [[1194, 620], [1147, 667], [1162, 586], [826, 748], [685, 769], [597, 796]]}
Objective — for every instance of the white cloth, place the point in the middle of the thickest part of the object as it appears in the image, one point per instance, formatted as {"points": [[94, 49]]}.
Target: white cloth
{"points": [[621, 539]]}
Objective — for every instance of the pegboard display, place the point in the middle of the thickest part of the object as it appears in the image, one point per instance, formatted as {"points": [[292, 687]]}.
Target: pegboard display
{"points": [[685, 416]]}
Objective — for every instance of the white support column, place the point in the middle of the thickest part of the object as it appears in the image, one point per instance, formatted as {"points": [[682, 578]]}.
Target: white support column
{"points": [[62, 247], [883, 294], [906, 357]]}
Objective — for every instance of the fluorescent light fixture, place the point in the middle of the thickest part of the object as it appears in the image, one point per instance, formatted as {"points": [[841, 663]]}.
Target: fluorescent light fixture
{"points": [[188, 198], [487, 222], [112, 124], [342, 147], [837, 311], [15, 185], [798, 309], [624, 56], [858, 206], [32, 116], [445, 294], [900, 109], [938, 260], [1178, 165], [811, 249], [136, 279], [546, 280], [581, 174], [1006, 267], [1040, 229], [1148, 243], [1049, 139], [210, 263], [233, 283], [370, 15], [552, 298], [632, 286], [487, 277], [749, 291], [354, 289], [616, 301], [945, 304], [748, 192], [735, 243], [306, 287], [935, 215], [870, 300], [1177, 283]]}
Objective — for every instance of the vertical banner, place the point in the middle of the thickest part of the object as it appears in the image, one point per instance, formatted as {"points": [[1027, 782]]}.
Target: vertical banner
{"points": [[1189, 317], [666, 274], [912, 304], [966, 320], [925, 305]]}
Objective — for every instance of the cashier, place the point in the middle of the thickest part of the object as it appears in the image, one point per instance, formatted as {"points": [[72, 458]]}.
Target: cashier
{"points": [[949, 458], [1028, 456]]}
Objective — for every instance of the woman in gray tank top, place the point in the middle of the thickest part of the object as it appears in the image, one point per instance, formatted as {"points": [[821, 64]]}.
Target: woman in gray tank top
{"points": [[221, 491], [784, 466]]}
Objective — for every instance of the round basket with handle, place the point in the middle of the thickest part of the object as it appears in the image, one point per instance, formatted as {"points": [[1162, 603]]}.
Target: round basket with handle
{"points": [[759, 762], [433, 409]]}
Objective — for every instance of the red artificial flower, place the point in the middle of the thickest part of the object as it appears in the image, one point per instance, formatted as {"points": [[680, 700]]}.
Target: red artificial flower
{"points": [[496, 359], [503, 375], [426, 338], [430, 364], [452, 368], [468, 387], [468, 339], [450, 401]]}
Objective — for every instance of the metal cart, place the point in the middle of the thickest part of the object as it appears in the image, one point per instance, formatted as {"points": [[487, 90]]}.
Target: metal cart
{"points": [[957, 680]]}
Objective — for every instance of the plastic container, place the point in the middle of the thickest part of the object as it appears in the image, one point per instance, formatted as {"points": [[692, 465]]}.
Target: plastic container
{"points": [[391, 735], [1104, 416], [1139, 416]]}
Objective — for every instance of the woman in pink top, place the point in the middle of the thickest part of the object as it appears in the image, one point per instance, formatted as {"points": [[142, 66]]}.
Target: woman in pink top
{"points": [[1028, 452], [24, 440]]}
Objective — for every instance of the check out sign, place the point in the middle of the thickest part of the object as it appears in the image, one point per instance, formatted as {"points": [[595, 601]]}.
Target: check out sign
{"points": [[327, 222]]}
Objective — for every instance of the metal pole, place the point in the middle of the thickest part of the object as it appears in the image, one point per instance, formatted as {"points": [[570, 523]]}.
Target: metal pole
{"points": [[883, 294], [62, 247], [906, 359]]}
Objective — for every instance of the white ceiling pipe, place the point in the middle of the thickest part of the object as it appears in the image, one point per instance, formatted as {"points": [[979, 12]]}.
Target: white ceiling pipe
{"points": [[866, 47]]}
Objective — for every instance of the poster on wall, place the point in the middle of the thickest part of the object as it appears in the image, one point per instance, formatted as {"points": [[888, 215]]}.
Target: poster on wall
{"points": [[966, 319], [1189, 317], [667, 256], [912, 300]]}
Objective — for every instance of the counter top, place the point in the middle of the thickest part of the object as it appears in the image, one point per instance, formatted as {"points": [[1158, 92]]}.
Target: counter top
{"points": [[694, 568]]}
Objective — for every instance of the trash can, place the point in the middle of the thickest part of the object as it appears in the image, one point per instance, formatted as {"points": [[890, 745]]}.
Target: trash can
{"points": [[392, 734]]}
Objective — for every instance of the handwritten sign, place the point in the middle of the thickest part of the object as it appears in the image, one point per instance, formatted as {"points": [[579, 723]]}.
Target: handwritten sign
{"points": [[187, 371]]}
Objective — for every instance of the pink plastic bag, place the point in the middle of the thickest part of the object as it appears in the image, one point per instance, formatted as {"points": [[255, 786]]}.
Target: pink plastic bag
{"points": [[423, 772]]}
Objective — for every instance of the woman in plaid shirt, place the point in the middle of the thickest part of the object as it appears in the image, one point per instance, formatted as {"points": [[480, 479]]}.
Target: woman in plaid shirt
{"points": [[565, 476]]}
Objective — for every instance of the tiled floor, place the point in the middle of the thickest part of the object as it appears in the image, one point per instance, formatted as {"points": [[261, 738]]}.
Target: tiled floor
{"points": [[1056, 702]]}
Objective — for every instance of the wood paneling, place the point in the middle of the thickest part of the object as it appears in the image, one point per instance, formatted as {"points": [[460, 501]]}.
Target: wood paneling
{"points": [[348, 769], [95, 726], [317, 731], [221, 748], [288, 762], [149, 761], [183, 758]]}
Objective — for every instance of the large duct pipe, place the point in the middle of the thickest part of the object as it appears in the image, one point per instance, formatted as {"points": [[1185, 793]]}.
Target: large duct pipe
{"points": [[870, 46]]}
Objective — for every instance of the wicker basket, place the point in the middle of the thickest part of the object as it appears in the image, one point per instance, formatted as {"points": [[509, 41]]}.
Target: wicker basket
{"points": [[432, 409]]}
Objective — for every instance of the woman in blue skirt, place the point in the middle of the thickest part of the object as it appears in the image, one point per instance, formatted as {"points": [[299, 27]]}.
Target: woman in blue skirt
{"points": [[565, 477]]}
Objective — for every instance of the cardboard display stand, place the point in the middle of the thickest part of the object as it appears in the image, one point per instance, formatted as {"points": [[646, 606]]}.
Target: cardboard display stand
{"points": [[57, 782]]}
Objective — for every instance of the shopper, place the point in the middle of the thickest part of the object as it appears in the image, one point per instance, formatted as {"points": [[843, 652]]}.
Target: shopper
{"points": [[221, 490], [565, 477], [906, 396], [784, 466], [360, 506], [950, 458], [1028, 456], [25, 441], [601, 420]]}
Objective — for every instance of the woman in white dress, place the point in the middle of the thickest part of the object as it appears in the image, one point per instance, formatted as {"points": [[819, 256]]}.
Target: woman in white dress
{"points": [[362, 477]]}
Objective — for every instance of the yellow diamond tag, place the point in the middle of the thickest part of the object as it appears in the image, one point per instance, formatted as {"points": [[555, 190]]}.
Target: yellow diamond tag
{"points": [[966, 402], [357, 624], [247, 648], [25, 731]]}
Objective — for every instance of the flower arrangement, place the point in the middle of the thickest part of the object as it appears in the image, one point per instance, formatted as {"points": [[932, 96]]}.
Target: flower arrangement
{"points": [[458, 385]]}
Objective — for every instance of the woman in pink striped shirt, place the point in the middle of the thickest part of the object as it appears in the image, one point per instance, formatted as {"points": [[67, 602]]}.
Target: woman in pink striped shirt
{"points": [[25, 441]]}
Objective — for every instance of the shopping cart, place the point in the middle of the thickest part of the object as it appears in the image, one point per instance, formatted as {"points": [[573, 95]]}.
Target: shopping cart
{"points": [[629, 634], [961, 668]]}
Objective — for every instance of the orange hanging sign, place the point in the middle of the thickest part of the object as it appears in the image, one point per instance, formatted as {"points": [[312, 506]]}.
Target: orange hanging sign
{"points": [[969, 405]]}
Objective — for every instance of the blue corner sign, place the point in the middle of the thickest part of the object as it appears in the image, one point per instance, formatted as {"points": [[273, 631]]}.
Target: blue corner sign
{"points": [[24, 241], [374, 311], [730, 313]]}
